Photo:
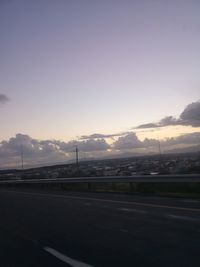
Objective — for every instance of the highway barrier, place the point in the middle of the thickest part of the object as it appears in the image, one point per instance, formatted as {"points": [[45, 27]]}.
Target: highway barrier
{"points": [[179, 178], [188, 183]]}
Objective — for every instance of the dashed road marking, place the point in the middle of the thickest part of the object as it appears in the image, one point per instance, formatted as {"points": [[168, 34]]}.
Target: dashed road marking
{"points": [[66, 259]]}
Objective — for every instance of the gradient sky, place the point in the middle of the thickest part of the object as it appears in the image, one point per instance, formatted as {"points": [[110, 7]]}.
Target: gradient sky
{"points": [[73, 68]]}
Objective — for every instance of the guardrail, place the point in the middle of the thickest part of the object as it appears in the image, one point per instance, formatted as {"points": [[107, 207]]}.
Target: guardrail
{"points": [[187, 178]]}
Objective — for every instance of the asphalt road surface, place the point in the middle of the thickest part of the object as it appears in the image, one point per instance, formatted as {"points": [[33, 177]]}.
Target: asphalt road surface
{"points": [[96, 229]]}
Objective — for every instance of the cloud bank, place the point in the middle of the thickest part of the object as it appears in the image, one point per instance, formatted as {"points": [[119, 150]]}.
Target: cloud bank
{"points": [[39, 152], [189, 117], [43, 152], [131, 141]]}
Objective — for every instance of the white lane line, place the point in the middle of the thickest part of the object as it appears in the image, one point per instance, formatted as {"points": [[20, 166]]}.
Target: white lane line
{"points": [[66, 259], [183, 217], [132, 210], [106, 200]]}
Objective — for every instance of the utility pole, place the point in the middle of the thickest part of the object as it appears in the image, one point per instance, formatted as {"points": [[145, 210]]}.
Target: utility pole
{"points": [[160, 154], [159, 147], [77, 163], [22, 157]]}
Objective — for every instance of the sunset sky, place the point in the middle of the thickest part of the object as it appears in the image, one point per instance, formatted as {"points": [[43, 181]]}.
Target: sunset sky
{"points": [[72, 69]]}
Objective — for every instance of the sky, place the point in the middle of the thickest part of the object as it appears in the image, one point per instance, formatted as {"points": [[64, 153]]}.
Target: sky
{"points": [[74, 68]]}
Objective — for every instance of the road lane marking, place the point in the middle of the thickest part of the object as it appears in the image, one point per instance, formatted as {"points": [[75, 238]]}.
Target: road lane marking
{"points": [[183, 217], [66, 259], [107, 200]]}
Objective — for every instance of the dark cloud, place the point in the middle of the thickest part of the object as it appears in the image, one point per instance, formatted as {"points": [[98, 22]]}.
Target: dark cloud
{"points": [[93, 145], [96, 135], [147, 125], [85, 146], [150, 142], [167, 121], [15, 144], [128, 141], [131, 141], [185, 139], [35, 151], [190, 116], [3, 99], [46, 151]]}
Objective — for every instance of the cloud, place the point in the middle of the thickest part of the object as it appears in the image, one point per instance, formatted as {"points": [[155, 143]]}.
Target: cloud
{"points": [[128, 141], [150, 142], [42, 152], [190, 116], [93, 145], [167, 121], [131, 141], [35, 152], [85, 146], [15, 144], [38, 152], [3, 99], [185, 139], [96, 135], [147, 125]]}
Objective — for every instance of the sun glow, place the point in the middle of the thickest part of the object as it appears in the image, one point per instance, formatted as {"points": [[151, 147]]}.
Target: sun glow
{"points": [[166, 132]]}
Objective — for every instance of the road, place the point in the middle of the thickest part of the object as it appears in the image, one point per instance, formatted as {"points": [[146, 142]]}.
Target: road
{"points": [[97, 229]]}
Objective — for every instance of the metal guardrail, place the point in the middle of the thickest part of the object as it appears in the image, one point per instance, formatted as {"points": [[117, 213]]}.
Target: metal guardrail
{"points": [[187, 178]]}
